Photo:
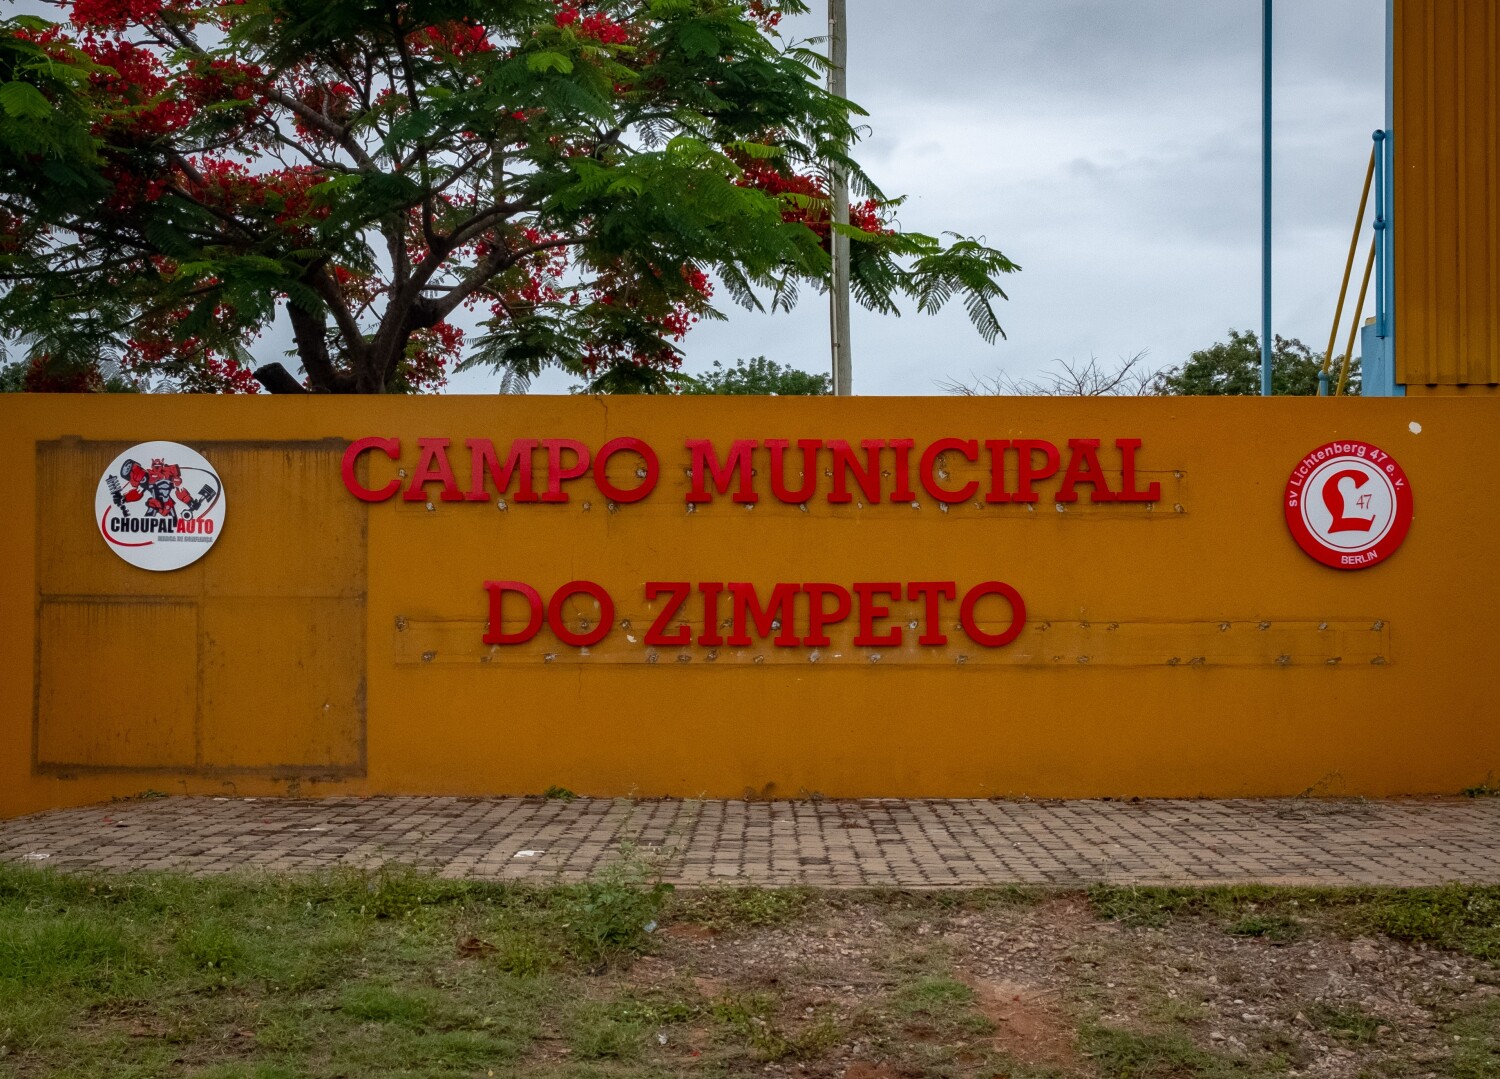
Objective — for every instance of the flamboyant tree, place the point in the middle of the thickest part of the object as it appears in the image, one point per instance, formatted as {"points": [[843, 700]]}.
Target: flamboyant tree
{"points": [[568, 175]]}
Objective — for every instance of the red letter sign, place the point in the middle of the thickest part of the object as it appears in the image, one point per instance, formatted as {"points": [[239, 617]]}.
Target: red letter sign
{"points": [[391, 447]]}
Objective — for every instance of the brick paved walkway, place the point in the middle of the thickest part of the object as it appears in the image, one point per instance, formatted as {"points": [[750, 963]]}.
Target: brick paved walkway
{"points": [[916, 844]]}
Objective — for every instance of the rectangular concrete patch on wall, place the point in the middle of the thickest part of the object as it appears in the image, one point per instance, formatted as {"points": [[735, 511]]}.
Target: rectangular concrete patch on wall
{"points": [[760, 597], [248, 663]]}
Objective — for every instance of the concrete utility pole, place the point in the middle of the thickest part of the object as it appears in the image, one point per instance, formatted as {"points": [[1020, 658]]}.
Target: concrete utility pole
{"points": [[838, 58], [1267, 341]]}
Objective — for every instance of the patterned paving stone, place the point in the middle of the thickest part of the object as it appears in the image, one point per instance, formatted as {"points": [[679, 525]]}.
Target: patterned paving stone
{"points": [[873, 842]]}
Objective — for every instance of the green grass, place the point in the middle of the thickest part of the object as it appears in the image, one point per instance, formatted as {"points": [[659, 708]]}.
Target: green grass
{"points": [[934, 995], [1476, 1044], [727, 909], [1119, 1053], [1278, 928], [343, 973], [754, 1022], [939, 1010], [660, 1006], [751, 1018], [1350, 1023], [1487, 789], [524, 951], [399, 973], [1455, 918], [598, 1031], [953, 900]]}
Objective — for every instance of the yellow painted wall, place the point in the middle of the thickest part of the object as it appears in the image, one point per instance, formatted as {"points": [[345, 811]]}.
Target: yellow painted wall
{"points": [[326, 646], [1447, 193]]}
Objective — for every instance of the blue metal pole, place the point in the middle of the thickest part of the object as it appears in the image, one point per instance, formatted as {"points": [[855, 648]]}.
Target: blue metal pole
{"points": [[1266, 339], [1380, 238], [1388, 163]]}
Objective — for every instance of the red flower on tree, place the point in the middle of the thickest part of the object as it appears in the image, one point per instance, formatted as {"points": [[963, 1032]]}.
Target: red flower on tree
{"points": [[804, 200]]}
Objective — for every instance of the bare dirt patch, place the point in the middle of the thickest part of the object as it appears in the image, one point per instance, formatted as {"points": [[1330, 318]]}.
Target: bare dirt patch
{"points": [[1030, 1025], [1191, 997], [864, 1069]]}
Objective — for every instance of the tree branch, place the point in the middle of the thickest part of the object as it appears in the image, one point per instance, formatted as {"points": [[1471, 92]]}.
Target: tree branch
{"points": [[339, 133], [277, 379], [486, 271]]}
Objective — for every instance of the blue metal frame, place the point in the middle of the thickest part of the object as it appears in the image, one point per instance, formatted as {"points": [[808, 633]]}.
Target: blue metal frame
{"points": [[1381, 250], [1388, 163], [1378, 341]]}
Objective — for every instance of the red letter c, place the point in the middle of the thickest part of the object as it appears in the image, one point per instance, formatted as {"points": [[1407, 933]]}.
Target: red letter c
{"points": [[391, 447]]}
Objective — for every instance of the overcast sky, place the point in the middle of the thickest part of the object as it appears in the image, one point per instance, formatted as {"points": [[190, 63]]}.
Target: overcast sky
{"points": [[1112, 149]]}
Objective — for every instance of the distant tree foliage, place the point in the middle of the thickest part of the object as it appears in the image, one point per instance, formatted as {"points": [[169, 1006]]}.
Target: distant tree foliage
{"points": [[759, 376], [1227, 369], [1232, 368]]}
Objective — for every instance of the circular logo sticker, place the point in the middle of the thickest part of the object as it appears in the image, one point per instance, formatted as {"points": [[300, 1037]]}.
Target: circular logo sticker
{"points": [[160, 506], [1348, 505]]}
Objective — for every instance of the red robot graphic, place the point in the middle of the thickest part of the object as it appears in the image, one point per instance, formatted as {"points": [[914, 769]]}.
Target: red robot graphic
{"points": [[161, 487]]}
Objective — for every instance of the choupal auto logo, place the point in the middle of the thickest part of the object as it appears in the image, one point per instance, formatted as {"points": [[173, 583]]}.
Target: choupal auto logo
{"points": [[160, 506], [1348, 505]]}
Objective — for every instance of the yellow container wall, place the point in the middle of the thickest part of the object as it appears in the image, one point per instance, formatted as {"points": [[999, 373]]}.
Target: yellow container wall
{"points": [[1447, 193], [325, 645]]}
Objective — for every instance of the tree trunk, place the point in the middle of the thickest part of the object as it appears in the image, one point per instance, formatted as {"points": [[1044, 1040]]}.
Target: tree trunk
{"points": [[309, 331]]}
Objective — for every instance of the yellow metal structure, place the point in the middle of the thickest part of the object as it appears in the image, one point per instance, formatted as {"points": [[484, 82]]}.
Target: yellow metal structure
{"points": [[1359, 305], [1338, 311], [1180, 647], [1446, 191]]}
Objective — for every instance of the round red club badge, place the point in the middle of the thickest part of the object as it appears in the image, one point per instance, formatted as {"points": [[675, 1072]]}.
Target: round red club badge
{"points": [[160, 506], [1348, 505]]}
